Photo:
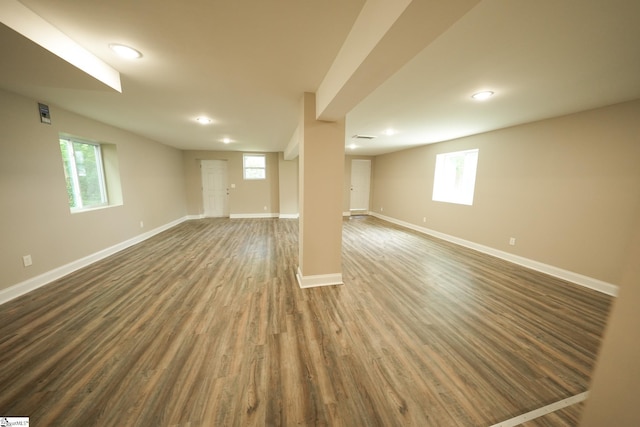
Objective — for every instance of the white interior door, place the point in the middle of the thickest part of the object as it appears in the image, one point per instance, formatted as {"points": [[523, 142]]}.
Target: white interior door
{"points": [[360, 184], [215, 194]]}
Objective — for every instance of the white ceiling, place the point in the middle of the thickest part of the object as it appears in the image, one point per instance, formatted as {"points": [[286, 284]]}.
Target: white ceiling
{"points": [[246, 63], [542, 58]]}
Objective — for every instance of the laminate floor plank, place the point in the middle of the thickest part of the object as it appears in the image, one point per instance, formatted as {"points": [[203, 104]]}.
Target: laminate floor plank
{"points": [[205, 325]]}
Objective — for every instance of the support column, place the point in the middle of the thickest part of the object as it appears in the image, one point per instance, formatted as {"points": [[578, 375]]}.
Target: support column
{"points": [[613, 394], [321, 169]]}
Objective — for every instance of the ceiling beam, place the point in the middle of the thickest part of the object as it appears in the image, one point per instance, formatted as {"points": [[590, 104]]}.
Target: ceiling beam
{"points": [[386, 35], [19, 18], [293, 148]]}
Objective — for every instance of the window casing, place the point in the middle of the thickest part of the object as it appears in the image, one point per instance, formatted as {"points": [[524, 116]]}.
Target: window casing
{"points": [[84, 174], [254, 166], [455, 177]]}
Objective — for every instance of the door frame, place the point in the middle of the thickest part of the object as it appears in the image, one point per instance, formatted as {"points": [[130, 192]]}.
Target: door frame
{"points": [[367, 209], [203, 186]]}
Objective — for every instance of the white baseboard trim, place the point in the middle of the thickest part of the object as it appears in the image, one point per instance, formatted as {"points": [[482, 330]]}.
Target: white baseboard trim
{"points": [[318, 280], [357, 212], [254, 215], [570, 276], [520, 419], [36, 282], [289, 216], [191, 217], [346, 213]]}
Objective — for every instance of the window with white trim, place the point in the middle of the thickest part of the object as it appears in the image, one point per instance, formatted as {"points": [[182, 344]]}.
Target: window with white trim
{"points": [[84, 174], [91, 173], [455, 177], [254, 166]]}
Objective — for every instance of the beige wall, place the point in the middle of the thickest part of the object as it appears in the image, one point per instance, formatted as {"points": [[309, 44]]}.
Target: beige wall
{"points": [[288, 185], [346, 190], [248, 197], [568, 189], [33, 200]]}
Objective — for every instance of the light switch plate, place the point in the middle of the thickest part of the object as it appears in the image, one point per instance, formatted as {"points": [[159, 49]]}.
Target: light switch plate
{"points": [[27, 261]]}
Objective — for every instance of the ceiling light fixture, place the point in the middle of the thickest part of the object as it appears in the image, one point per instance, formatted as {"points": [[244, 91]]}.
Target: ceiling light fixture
{"points": [[390, 132], [353, 146], [203, 120], [481, 96], [125, 51], [226, 140]]}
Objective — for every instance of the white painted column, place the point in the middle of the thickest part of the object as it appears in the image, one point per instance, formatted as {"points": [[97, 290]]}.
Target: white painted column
{"points": [[321, 166]]}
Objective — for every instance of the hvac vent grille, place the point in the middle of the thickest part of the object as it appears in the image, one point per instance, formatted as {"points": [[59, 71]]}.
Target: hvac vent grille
{"points": [[362, 137]]}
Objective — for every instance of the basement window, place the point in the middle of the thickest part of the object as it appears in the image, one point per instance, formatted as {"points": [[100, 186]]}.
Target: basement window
{"points": [[254, 166], [91, 174], [455, 177]]}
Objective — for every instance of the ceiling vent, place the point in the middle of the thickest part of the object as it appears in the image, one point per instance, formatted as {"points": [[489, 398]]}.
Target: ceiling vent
{"points": [[362, 137]]}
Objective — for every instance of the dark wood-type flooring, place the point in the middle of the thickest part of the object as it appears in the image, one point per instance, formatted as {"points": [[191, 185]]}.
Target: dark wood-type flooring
{"points": [[205, 325]]}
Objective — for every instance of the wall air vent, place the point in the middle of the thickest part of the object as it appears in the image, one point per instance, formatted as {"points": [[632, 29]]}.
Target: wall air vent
{"points": [[362, 137]]}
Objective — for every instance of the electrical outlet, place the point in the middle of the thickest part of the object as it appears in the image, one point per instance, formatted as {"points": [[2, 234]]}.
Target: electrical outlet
{"points": [[512, 241], [381, 209], [265, 208], [141, 224], [26, 260], [424, 219]]}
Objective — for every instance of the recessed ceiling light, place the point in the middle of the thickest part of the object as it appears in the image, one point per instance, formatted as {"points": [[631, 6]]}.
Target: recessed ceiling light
{"points": [[481, 96], [353, 146], [125, 51], [390, 132], [203, 120], [226, 140]]}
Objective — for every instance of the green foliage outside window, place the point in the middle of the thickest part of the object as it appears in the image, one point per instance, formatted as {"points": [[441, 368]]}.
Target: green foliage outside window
{"points": [[83, 174]]}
